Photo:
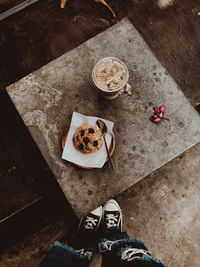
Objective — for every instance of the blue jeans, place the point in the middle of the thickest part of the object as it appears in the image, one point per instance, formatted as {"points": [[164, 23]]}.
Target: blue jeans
{"points": [[112, 247]]}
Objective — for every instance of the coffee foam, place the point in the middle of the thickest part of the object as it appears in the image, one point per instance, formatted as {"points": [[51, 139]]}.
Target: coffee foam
{"points": [[110, 75]]}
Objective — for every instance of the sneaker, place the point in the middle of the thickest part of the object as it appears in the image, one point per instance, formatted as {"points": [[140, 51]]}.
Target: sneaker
{"points": [[112, 215], [92, 221]]}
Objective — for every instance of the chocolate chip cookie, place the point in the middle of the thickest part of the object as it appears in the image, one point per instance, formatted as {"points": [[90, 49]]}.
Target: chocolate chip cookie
{"points": [[87, 139]]}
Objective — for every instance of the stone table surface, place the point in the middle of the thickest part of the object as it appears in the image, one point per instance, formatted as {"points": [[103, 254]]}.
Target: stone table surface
{"points": [[46, 98]]}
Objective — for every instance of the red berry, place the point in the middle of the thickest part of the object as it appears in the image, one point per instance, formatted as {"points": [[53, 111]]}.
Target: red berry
{"points": [[156, 109], [162, 109], [155, 118]]}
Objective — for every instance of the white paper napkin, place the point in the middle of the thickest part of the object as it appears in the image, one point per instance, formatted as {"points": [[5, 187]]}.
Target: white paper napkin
{"points": [[95, 159]]}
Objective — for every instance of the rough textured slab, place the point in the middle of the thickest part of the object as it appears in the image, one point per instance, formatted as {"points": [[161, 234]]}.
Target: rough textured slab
{"points": [[162, 210], [46, 98]]}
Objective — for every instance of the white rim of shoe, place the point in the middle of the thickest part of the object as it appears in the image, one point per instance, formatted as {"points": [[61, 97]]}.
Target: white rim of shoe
{"points": [[119, 209]]}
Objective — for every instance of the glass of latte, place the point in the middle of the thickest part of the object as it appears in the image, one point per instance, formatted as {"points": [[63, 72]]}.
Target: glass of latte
{"points": [[109, 76]]}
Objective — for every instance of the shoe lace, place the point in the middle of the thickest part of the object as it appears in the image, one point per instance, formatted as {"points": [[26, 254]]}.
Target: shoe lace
{"points": [[90, 222], [131, 254], [111, 220]]}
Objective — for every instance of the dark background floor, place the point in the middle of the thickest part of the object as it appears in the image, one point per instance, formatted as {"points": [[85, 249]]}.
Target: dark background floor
{"points": [[43, 32]]}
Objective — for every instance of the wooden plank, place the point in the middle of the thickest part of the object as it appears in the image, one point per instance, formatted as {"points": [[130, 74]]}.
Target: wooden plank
{"points": [[7, 4], [35, 215], [17, 8]]}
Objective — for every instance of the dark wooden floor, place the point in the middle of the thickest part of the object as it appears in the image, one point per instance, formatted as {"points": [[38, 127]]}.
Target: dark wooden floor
{"points": [[43, 32]]}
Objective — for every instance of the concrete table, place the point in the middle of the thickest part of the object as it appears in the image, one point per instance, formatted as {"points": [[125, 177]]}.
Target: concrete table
{"points": [[46, 99]]}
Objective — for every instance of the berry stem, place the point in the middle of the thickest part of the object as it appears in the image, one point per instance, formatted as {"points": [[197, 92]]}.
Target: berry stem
{"points": [[166, 118]]}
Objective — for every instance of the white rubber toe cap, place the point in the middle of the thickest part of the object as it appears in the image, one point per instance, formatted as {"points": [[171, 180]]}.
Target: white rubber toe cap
{"points": [[97, 212], [112, 205]]}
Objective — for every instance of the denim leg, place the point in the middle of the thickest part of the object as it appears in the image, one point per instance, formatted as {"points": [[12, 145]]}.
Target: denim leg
{"points": [[111, 256], [63, 255], [117, 235], [115, 244]]}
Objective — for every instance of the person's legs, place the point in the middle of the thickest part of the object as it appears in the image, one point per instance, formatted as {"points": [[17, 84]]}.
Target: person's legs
{"points": [[116, 246], [63, 255], [81, 249]]}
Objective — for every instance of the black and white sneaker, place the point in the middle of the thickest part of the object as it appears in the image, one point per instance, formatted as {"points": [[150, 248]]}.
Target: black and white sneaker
{"points": [[92, 221], [112, 215]]}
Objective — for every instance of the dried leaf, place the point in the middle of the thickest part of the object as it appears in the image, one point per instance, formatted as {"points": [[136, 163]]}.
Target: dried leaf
{"points": [[105, 4], [63, 3]]}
